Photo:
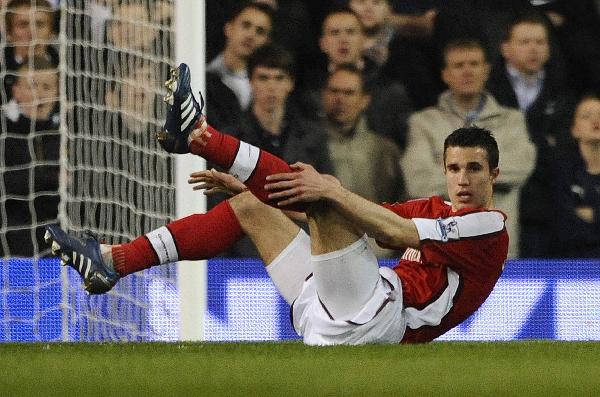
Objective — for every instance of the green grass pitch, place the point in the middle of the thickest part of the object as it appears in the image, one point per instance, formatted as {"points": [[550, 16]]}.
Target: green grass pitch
{"points": [[528, 368]]}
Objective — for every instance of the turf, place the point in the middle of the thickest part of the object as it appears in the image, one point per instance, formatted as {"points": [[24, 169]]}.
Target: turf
{"points": [[292, 369]]}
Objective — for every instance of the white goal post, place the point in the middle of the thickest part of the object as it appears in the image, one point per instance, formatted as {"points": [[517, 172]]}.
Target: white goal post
{"points": [[191, 276]]}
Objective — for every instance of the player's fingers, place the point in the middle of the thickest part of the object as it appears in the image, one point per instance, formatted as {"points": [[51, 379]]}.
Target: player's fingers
{"points": [[204, 186], [285, 176], [280, 185], [200, 173], [283, 194], [215, 190], [192, 181], [289, 201], [298, 165], [221, 176]]}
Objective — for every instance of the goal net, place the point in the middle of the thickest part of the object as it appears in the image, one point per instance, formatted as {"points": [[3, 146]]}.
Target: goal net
{"points": [[114, 179]]}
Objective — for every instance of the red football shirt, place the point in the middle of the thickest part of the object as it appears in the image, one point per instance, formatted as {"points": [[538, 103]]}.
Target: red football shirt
{"points": [[448, 278]]}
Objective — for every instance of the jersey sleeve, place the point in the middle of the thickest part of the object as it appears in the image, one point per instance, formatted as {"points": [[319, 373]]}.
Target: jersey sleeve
{"points": [[406, 210], [409, 209], [464, 242]]}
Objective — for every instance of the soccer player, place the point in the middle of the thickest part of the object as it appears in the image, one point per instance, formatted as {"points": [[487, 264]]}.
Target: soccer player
{"points": [[339, 295]]}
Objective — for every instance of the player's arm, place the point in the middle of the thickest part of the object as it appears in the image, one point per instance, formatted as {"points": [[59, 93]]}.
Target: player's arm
{"points": [[307, 185]]}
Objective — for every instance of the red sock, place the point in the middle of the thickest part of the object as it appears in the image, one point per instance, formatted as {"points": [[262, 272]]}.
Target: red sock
{"points": [[196, 237], [246, 162]]}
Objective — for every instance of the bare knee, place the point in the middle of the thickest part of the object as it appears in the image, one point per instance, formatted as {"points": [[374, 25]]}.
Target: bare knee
{"points": [[268, 228], [245, 205]]}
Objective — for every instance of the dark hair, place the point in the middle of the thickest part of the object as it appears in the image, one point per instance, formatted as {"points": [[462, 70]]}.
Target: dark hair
{"points": [[244, 5], [272, 56], [350, 68], [474, 137], [340, 10], [41, 5], [463, 43], [530, 17]]}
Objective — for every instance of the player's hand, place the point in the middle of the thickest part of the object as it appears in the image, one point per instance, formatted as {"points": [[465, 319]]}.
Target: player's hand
{"points": [[303, 185], [213, 181]]}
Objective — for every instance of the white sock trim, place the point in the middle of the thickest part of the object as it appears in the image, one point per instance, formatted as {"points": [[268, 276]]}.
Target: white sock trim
{"points": [[164, 245], [245, 161]]}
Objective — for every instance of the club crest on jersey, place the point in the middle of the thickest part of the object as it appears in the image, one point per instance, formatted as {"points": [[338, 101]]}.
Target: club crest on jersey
{"points": [[447, 229]]}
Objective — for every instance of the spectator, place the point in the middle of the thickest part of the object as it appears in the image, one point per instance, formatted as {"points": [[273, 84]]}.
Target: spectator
{"points": [[366, 163], [428, 25], [133, 101], [96, 15], [341, 42], [292, 26], [576, 218], [413, 56], [374, 16], [130, 27], [227, 84], [273, 124], [577, 30], [466, 103], [128, 34], [29, 164], [30, 32], [526, 78]]}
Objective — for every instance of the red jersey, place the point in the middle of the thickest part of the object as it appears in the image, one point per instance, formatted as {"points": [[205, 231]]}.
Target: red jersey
{"points": [[461, 257]]}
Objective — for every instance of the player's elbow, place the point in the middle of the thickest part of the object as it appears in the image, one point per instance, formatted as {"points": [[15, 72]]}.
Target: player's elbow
{"points": [[399, 236]]}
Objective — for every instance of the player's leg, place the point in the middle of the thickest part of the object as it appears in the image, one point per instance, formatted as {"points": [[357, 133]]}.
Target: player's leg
{"points": [[280, 242], [346, 271], [187, 131], [198, 236]]}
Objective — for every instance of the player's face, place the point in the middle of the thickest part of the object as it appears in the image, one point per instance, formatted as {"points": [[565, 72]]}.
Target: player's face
{"points": [[372, 13], [28, 25], [270, 87], [466, 71], [37, 93], [247, 32], [527, 49], [468, 177], [343, 98], [586, 124], [343, 39]]}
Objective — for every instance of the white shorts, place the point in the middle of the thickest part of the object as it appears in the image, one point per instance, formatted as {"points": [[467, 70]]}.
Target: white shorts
{"points": [[380, 320]]}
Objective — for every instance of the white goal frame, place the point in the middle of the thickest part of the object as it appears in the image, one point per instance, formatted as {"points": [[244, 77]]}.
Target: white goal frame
{"points": [[191, 276]]}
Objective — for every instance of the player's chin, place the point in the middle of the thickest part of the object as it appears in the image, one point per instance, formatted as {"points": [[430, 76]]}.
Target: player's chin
{"points": [[463, 202]]}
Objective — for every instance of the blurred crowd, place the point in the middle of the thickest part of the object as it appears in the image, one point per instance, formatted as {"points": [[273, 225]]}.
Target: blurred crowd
{"points": [[366, 90]]}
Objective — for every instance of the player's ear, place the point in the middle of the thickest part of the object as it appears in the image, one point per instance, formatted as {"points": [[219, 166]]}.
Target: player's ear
{"points": [[494, 174]]}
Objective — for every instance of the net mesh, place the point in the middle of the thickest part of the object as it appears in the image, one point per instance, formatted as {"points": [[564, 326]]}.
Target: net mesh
{"points": [[111, 176], [119, 181]]}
